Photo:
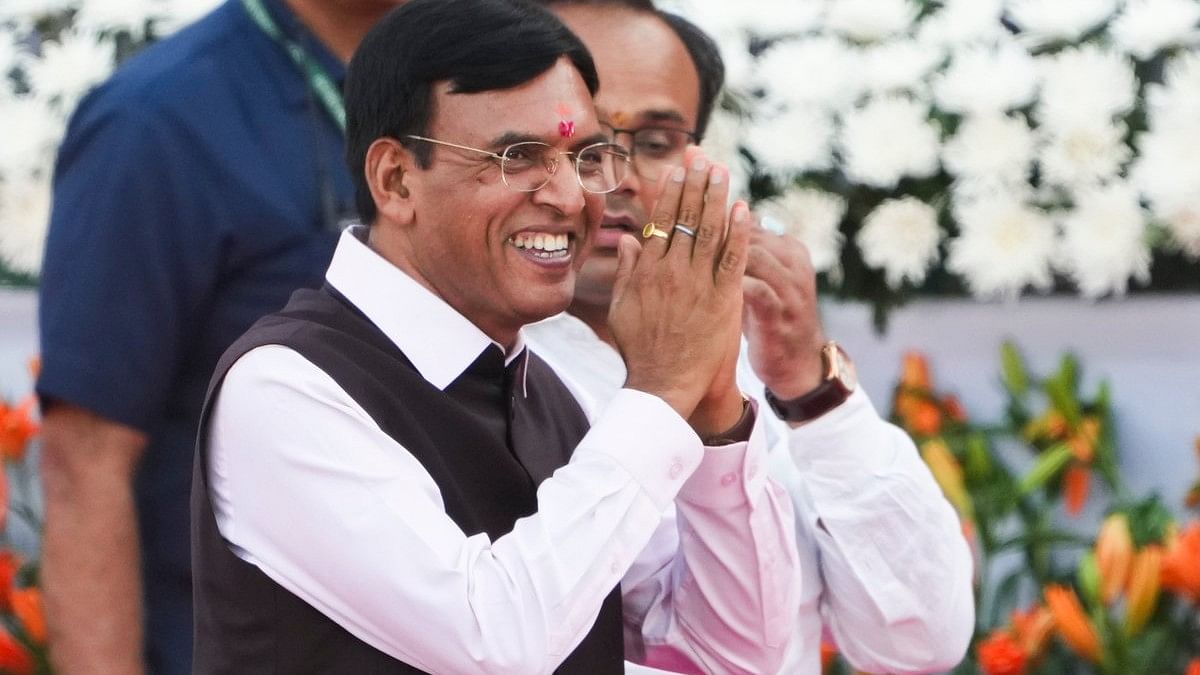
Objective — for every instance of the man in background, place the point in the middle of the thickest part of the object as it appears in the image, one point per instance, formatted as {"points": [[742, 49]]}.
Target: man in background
{"points": [[195, 190], [886, 572]]}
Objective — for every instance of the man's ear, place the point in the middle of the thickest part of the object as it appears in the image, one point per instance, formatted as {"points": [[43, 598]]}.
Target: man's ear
{"points": [[387, 166]]}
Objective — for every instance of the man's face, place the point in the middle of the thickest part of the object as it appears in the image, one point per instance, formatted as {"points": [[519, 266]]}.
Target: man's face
{"points": [[647, 79], [472, 237]]}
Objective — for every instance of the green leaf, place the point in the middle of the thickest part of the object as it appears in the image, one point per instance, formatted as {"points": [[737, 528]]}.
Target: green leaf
{"points": [[1016, 378], [1048, 465], [1088, 575]]}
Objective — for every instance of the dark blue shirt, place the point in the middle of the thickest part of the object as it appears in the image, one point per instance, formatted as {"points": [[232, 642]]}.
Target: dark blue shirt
{"points": [[195, 190]]}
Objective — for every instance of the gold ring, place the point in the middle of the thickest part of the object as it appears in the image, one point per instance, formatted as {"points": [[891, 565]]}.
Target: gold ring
{"points": [[651, 230]]}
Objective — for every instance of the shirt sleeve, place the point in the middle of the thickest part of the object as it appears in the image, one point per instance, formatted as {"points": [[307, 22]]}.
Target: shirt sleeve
{"points": [[129, 261], [717, 590], [897, 571], [377, 552]]}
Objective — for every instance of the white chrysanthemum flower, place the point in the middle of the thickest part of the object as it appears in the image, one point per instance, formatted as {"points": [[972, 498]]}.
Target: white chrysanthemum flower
{"points": [[1146, 27], [70, 66], [1175, 103], [1042, 21], [24, 215], [901, 236], [897, 66], [1167, 169], [1004, 246], [799, 139], [1084, 154], [1104, 242], [820, 71], [1084, 85], [1182, 220], [870, 20], [960, 22], [23, 13], [119, 15], [721, 142], [996, 148], [31, 135], [814, 217], [888, 139], [984, 79], [764, 18]]}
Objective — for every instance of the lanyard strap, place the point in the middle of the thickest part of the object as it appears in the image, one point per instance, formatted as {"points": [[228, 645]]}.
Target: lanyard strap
{"points": [[318, 80]]}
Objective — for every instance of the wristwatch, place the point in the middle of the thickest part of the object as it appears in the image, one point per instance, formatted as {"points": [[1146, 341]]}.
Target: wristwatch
{"points": [[840, 381]]}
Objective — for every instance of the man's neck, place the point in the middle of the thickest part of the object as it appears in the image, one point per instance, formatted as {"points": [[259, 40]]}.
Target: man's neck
{"points": [[340, 26], [596, 318]]}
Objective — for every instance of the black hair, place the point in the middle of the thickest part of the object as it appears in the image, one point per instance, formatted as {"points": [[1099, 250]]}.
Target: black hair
{"points": [[475, 45], [706, 55]]}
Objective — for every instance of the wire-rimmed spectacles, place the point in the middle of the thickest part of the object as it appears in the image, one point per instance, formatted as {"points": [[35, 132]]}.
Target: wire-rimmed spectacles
{"points": [[654, 149], [528, 165]]}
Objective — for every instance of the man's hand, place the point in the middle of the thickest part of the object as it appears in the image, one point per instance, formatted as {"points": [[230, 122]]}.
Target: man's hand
{"points": [[781, 323], [677, 300]]}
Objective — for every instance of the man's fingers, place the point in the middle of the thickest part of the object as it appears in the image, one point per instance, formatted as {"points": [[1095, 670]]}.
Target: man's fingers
{"points": [[690, 205], [760, 300], [628, 251], [710, 233], [731, 265], [664, 214]]}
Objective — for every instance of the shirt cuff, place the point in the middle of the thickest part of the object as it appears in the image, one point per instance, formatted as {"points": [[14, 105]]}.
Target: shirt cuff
{"points": [[848, 434], [731, 474], [649, 440]]}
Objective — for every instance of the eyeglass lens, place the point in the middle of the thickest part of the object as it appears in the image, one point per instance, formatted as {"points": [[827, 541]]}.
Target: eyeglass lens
{"points": [[528, 166]]}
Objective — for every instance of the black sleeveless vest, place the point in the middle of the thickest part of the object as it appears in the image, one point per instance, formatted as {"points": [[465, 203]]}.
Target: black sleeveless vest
{"points": [[247, 623]]}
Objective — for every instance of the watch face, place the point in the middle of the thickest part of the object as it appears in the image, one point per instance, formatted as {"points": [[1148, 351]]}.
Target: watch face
{"points": [[846, 371]]}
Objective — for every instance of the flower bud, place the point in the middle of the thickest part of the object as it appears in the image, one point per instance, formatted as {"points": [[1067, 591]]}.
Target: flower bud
{"points": [[1114, 553], [1142, 594]]}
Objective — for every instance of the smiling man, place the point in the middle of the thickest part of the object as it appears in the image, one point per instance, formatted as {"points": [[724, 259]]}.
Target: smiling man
{"points": [[885, 572], [388, 481]]}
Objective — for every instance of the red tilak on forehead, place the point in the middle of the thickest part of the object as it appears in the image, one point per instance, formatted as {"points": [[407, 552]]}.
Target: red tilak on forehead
{"points": [[566, 127]]}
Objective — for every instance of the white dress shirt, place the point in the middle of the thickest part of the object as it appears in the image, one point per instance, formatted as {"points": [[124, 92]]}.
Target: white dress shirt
{"points": [[885, 572], [308, 488]]}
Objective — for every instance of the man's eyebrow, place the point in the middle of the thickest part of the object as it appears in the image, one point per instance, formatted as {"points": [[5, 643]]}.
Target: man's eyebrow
{"points": [[510, 137], [663, 116]]}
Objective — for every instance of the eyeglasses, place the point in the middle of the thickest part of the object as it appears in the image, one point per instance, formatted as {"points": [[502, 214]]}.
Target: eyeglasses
{"points": [[527, 166], [656, 148]]}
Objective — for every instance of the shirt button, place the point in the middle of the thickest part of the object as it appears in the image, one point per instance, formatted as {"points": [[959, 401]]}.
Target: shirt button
{"points": [[728, 479], [676, 469]]}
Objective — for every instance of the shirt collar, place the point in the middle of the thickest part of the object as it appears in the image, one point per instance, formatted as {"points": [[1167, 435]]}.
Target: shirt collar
{"points": [[440, 342]]}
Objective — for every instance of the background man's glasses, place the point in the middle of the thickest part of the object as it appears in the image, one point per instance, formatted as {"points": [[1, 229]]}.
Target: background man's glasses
{"points": [[656, 148], [527, 166]]}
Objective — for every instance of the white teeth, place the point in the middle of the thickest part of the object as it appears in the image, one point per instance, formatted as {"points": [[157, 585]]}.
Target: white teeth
{"points": [[550, 243]]}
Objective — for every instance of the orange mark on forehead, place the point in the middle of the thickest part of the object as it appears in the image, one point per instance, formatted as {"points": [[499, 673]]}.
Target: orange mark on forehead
{"points": [[619, 118]]}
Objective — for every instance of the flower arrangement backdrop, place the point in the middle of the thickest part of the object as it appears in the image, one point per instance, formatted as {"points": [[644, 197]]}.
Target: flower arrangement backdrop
{"points": [[990, 147]]}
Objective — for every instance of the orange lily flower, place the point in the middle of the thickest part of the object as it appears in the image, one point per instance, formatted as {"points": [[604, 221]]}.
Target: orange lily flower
{"points": [[914, 371], [1193, 667], [1072, 623], [16, 429], [828, 653], [1083, 440], [9, 564], [14, 658], [999, 654], [1141, 596], [1076, 485], [948, 474], [1114, 553], [954, 408], [1181, 563], [1032, 628], [27, 607]]}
